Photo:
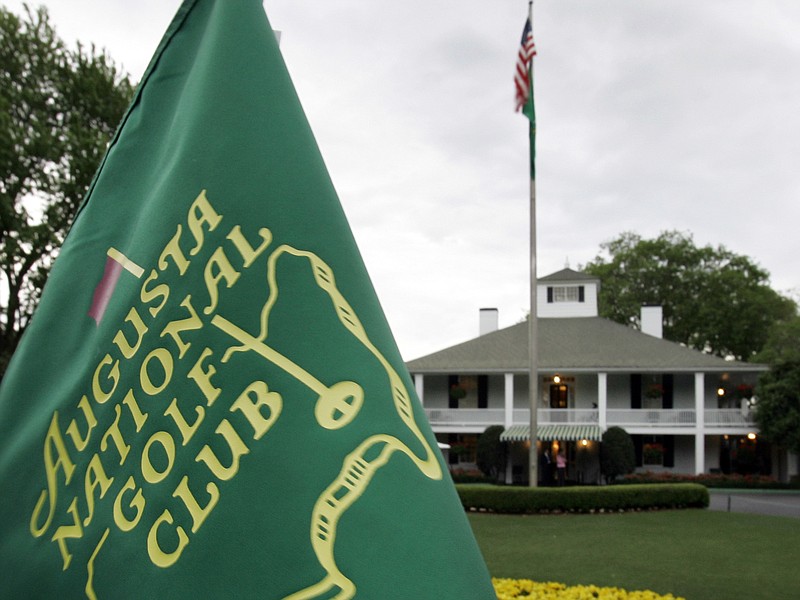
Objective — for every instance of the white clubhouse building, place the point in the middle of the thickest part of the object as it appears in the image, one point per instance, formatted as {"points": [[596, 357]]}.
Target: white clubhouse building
{"points": [[687, 411]]}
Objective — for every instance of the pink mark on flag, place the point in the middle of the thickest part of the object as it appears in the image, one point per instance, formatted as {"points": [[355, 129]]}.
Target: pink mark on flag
{"points": [[115, 263]]}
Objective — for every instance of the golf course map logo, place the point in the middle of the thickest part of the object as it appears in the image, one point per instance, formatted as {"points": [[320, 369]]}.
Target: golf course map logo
{"points": [[102, 467]]}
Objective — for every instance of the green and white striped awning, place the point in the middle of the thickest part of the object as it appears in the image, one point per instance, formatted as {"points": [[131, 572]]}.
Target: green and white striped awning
{"points": [[547, 433]]}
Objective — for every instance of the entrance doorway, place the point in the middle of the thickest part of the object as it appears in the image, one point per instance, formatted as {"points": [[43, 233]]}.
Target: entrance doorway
{"points": [[550, 473], [559, 395]]}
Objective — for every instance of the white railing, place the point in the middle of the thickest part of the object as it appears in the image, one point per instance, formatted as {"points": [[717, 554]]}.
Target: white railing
{"points": [[729, 417], [465, 416], [557, 416], [622, 417], [522, 416], [654, 417], [496, 416]]}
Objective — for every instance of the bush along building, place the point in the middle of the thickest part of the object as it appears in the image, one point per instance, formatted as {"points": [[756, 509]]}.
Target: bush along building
{"points": [[687, 412]]}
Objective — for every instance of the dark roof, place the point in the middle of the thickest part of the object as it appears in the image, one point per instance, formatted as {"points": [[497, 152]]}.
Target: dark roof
{"points": [[568, 275], [576, 344]]}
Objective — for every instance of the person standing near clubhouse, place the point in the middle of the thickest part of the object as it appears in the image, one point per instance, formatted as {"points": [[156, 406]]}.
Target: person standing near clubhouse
{"points": [[561, 466]]}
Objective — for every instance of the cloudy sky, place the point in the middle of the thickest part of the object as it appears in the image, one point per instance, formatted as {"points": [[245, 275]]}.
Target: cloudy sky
{"points": [[652, 115]]}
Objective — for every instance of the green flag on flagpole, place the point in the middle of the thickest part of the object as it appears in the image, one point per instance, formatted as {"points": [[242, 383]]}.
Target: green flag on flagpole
{"points": [[530, 111], [523, 83], [209, 402]]}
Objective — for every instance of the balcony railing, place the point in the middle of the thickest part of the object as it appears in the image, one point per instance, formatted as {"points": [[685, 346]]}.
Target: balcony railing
{"points": [[729, 417], [628, 417], [465, 417], [558, 416], [663, 417]]}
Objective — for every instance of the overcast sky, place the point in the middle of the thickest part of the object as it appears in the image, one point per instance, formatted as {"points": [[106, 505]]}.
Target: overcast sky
{"points": [[652, 115]]}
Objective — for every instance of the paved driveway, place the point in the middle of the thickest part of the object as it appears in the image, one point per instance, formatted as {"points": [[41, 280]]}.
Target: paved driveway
{"points": [[778, 503]]}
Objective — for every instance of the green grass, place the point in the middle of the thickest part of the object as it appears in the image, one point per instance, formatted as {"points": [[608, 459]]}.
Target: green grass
{"points": [[697, 554]]}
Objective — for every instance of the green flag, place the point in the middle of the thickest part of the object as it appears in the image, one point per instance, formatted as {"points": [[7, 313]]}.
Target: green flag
{"points": [[209, 402], [523, 83]]}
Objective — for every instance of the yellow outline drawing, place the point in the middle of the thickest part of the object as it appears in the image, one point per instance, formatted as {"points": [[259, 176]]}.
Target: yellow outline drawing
{"points": [[89, 589], [337, 405]]}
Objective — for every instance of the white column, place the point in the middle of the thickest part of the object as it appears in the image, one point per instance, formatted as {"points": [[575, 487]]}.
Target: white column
{"points": [[509, 418], [792, 465], [509, 400], [700, 423], [602, 400], [419, 381]]}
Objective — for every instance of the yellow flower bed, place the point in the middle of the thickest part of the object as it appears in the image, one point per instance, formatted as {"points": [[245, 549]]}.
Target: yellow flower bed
{"points": [[512, 589]]}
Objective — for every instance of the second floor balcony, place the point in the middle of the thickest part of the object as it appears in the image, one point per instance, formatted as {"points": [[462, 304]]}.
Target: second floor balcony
{"points": [[655, 419]]}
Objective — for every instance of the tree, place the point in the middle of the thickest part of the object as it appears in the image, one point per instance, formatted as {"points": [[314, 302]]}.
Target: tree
{"points": [[491, 452], [783, 343], [617, 454], [777, 409], [713, 300], [58, 110]]}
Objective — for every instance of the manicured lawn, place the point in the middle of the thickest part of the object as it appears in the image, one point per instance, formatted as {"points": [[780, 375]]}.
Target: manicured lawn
{"points": [[697, 554]]}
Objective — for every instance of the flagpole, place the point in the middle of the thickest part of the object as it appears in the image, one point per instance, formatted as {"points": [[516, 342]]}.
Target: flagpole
{"points": [[533, 325]]}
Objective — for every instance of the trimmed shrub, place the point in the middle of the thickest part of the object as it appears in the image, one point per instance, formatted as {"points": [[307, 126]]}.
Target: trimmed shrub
{"points": [[491, 452], [617, 454], [521, 500], [469, 476]]}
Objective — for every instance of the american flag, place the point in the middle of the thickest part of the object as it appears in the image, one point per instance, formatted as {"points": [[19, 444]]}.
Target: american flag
{"points": [[522, 78]]}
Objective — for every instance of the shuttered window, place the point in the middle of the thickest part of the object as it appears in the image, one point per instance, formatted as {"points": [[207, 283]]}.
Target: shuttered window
{"points": [[565, 293]]}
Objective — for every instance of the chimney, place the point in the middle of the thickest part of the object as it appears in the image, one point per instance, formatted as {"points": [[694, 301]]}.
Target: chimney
{"points": [[488, 320], [653, 321]]}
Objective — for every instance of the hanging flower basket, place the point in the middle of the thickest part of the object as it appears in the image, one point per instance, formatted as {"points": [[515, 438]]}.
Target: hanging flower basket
{"points": [[653, 454], [654, 390], [457, 392]]}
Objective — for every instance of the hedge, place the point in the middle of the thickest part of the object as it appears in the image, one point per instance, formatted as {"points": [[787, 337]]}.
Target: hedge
{"points": [[710, 480], [523, 500]]}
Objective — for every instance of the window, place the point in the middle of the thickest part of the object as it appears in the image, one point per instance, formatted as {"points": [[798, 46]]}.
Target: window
{"points": [[653, 454], [462, 448], [565, 293], [655, 450]]}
